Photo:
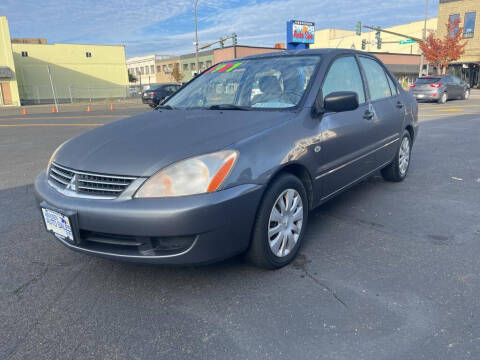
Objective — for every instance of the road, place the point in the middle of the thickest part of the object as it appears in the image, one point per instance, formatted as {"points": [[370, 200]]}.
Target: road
{"points": [[387, 271]]}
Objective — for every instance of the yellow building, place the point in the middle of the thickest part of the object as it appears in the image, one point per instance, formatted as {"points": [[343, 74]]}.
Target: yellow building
{"points": [[337, 38], [8, 79], [468, 11], [66, 72]]}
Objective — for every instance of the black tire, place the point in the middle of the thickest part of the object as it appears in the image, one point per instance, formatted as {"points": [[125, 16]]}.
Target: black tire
{"points": [[392, 171], [443, 98], [260, 252]]}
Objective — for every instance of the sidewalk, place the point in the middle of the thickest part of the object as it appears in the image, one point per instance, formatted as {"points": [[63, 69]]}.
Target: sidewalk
{"points": [[75, 107]]}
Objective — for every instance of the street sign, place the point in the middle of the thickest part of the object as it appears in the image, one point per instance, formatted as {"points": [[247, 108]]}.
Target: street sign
{"points": [[408, 41]]}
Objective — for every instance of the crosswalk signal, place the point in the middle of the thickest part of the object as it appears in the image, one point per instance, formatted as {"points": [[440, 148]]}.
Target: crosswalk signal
{"points": [[359, 28], [364, 44]]}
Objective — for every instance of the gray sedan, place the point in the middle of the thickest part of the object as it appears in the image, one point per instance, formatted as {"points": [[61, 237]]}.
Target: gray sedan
{"points": [[231, 163], [440, 88]]}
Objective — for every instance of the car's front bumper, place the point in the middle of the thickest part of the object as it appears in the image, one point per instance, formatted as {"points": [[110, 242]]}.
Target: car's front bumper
{"points": [[219, 223]]}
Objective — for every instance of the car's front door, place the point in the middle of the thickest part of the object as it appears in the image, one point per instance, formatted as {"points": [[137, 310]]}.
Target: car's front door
{"points": [[389, 110], [343, 155]]}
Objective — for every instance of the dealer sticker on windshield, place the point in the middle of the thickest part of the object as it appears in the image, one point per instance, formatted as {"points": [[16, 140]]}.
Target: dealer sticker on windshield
{"points": [[57, 223]]}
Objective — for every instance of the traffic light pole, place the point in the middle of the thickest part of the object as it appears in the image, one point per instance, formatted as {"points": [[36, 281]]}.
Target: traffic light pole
{"points": [[377, 28]]}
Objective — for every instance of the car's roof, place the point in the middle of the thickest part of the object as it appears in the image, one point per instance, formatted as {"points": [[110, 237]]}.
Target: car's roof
{"points": [[306, 52]]}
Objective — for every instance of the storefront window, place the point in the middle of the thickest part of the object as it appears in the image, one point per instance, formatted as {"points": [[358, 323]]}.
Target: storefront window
{"points": [[469, 28]]}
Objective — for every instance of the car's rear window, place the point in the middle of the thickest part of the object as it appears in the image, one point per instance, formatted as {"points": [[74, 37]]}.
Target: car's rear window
{"points": [[430, 80]]}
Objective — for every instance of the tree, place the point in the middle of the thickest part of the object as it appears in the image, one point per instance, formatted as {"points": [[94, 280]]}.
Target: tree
{"points": [[131, 78], [176, 74], [441, 52]]}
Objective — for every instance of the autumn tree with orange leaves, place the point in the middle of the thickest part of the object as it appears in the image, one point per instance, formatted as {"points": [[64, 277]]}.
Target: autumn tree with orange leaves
{"points": [[441, 52]]}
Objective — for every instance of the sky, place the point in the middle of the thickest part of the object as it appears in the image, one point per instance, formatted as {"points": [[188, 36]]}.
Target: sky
{"points": [[167, 26]]}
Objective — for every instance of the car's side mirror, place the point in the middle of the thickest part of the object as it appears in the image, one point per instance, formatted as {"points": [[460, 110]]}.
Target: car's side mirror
{"points": [[340, 101]]}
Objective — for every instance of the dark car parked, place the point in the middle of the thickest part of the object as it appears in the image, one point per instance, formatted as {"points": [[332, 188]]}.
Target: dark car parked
{"points": [[440, 88], [231, 163], [158, 93]]}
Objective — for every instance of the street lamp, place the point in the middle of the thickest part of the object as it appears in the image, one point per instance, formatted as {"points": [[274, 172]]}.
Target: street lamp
{"points": [[422, 56], [196, 36]]}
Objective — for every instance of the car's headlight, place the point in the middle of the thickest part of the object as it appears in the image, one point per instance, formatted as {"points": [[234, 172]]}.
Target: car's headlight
{"points": [[197, 175]]}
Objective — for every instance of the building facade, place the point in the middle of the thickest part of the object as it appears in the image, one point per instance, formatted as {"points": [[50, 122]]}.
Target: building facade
{"points": [[233, 52], [188, 64], [145, 69], [8, 77], [468, 11], [165, 70]]}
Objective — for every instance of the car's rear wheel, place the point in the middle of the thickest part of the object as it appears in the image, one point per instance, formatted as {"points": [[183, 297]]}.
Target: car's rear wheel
{"points": [[280, 223], [466, 94], [397, 170], [443, 98]]}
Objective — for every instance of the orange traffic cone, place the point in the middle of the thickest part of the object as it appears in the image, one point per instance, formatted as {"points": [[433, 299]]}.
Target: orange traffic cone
{"points": [[53, 109], [111, 107], [24, 112], [89, 108]]}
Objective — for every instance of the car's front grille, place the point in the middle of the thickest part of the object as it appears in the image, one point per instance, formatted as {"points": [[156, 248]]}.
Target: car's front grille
{"points": [[75, 183]]}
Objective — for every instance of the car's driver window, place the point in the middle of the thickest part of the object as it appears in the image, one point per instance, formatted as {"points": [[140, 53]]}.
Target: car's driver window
{"points": [[344, 75]]}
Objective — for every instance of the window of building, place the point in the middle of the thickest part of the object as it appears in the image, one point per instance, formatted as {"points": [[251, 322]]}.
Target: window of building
{"points": [[209, 63], [152, 69], [185, 67], [192, 66], [469, 26], [344, 75], [137, 70], [88, 54], [376, 79], [24, 53], [159, 68], [147, 70], [165, 69], [452, 18], [200, 65], [142, 70]]}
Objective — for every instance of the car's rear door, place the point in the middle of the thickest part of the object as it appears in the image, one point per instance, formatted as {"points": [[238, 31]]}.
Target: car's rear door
{"points": [[343, 156], [388, 110]]}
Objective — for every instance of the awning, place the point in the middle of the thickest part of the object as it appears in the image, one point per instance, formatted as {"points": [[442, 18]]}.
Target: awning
{"points": [[5, 72], [403, 69]]}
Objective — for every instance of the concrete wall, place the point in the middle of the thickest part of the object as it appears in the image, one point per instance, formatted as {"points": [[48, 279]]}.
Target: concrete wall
{"points": [[460, 7], [8, 85], [337, 38], [74, 75]]}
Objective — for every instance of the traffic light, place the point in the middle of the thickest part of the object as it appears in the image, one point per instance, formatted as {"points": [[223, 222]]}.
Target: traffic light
{"points": [[378, 36], [222, 42], [234, 39], [364, 44], [359, 28]]}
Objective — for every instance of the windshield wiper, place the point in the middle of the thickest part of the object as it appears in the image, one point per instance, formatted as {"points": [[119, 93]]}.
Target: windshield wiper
{"points": [[228, 107], [166, 107]]}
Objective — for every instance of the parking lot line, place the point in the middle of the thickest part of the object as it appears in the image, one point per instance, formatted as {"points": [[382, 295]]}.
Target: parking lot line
{"points": [[40, 125], [65, 117]]}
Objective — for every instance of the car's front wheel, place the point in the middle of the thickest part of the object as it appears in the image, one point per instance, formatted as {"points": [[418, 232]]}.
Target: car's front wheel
{"points": [[397, 170], [280, 223]]}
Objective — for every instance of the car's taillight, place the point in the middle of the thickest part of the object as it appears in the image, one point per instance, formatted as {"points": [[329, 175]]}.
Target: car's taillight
{"points": [[413, 85], [437, 85]]}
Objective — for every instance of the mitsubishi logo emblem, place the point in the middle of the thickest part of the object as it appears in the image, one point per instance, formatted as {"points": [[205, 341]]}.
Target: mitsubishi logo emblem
{"points": [[72, 185]]}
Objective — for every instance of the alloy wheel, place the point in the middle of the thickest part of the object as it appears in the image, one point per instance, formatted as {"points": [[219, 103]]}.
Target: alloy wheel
{"points": [[285, 223], [404, 156]]}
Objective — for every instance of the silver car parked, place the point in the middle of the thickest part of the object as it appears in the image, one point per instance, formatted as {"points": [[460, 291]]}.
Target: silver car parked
{"points": [[440, 88]]}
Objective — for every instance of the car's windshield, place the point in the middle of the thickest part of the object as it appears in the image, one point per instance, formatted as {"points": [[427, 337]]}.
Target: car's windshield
{"points": [[429, 80], [270, 82]]}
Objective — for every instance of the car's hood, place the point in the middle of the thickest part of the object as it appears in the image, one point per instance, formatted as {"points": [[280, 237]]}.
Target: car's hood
{"points": [[143, 144]]}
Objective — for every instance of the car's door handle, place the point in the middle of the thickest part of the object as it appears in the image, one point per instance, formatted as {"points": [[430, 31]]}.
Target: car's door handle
{"points": [[368, 115], [399, 105]]}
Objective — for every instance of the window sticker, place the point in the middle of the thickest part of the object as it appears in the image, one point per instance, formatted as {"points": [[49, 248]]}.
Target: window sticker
{"points": [[223, 68]]}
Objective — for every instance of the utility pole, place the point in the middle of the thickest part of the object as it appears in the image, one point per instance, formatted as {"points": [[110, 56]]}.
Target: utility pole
{"points": [[422, 57], [196, 37]]}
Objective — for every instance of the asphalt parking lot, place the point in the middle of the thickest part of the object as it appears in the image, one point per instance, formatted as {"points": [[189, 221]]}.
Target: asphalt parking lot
{"points": [[388, 270]]}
